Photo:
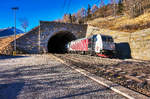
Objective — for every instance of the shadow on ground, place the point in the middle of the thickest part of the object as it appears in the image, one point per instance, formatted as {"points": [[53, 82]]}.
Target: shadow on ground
{"points": [[11, 90], [44, 81], [10, 57]]}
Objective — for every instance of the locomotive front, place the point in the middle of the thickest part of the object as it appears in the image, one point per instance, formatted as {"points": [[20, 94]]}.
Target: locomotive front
{"points": [[104, 45]]}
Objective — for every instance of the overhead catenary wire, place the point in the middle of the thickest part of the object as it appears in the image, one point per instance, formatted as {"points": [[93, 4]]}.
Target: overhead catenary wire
{"points": [[68, 7], [63, 7], [95, 1]]}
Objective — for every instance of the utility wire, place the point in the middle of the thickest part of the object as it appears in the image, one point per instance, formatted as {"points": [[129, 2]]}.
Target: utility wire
{"points": [[95, 1], [63, 7], [68, 6]]}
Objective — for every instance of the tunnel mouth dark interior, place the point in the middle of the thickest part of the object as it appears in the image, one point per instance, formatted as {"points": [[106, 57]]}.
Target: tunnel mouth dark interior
{"points": [[58, 42]]}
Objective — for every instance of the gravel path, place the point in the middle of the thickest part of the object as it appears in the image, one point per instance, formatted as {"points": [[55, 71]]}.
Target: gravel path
{"points": [[132, 74], [42, 77]]}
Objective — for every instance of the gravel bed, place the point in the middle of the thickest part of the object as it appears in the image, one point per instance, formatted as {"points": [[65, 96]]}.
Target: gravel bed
{"points": [[133, 74]]}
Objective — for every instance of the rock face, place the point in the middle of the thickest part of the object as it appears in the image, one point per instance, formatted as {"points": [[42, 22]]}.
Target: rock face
{"points": [[36, 40], [140, 44], [135, 45]]}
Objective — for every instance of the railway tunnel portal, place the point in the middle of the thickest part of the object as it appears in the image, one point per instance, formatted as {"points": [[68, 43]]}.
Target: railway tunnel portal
{"points": [[58, 42], [50, 37]]}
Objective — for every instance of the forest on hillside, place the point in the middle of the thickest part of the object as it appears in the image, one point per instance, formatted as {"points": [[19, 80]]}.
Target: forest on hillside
{"points": [[130, 8]]}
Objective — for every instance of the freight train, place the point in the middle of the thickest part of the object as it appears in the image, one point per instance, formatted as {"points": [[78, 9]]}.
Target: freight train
{"points": [[100, 45]]}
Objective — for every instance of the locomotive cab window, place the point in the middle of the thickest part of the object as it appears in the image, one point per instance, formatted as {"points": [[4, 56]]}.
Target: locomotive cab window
{"points": [[94, 38], [104, 38], [107, 39], [111, 39], [89, 43]]}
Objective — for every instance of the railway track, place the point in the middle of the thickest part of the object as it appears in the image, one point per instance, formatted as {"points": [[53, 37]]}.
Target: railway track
{"points": [[128, 73]]}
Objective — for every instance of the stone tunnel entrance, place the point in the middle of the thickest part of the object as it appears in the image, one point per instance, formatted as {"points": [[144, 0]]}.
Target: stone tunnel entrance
{"points": [[57, 43]]}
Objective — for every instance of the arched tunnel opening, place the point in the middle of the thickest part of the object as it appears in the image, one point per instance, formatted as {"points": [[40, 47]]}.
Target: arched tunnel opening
{"points": [[58, 42]]}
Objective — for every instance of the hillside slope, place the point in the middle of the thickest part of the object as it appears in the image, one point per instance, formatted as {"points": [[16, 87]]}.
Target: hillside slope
{"points": [[4, 42], [9, 32], [123, 23]]}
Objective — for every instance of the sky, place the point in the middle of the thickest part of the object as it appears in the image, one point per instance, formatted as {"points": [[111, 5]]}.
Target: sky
{"points": [[38, 10]]}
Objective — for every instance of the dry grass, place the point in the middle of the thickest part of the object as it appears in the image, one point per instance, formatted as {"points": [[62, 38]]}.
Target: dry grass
{"points": [[7, 40], [123, 23]]}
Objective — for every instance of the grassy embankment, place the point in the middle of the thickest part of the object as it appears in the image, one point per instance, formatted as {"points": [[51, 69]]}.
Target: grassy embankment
{"points": [[4, 42], [123, 23]]}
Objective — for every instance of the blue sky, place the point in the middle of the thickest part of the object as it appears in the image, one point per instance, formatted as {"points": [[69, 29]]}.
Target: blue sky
{"points": [[35, 10]]}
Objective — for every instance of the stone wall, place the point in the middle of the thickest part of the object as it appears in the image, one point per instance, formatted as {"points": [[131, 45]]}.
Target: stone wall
{"points": [[136, 45], [28, 43], [140, 44], [34, 43], [49, 29]]}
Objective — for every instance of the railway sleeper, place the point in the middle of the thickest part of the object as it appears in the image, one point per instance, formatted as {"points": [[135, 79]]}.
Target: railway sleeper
{"points": [[133, 78]]}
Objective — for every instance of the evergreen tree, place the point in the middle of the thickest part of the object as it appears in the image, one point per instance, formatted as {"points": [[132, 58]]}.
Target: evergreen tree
{"points": [[89, 11], [24, 23], [83, 12], [120, 7], [70, 18]]}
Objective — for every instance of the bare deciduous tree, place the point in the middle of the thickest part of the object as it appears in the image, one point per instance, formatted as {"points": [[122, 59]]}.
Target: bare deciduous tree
{"points": [[83, 12], [94, 8], [134, 7], [102, 7], [24, 23], [66, 18], [78, 15], [102, 4], [113, 2]]}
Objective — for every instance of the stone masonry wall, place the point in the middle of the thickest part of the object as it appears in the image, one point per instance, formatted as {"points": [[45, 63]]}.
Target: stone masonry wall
{"points": [[136, 45], [48, 29], [140, 44], [29, 43]]}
